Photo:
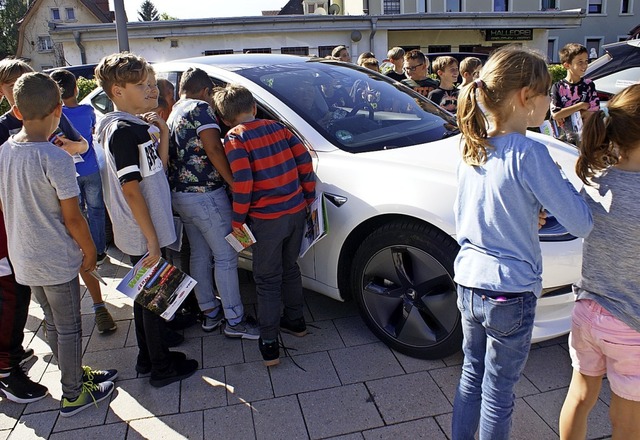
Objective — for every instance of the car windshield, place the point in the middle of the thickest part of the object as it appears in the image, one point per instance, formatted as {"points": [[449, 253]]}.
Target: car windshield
{"points": [[355, 109]]}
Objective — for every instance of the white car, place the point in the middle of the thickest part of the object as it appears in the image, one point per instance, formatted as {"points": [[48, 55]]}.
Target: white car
{"points": [[385, 160]]}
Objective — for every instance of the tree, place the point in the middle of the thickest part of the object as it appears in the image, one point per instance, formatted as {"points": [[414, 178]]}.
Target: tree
{"points": [[11, 11], [148, 12], [165, 16]]}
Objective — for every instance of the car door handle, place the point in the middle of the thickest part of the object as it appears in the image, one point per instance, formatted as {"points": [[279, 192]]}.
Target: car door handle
{"points": [[336, 199]]}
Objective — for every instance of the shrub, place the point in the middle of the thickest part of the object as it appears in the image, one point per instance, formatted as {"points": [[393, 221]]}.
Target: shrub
{"points": [[85, 86], [557, 72]]}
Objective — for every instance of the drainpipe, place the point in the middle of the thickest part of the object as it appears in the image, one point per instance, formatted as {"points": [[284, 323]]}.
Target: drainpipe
{"points": [[374, 28], [83, 54]]}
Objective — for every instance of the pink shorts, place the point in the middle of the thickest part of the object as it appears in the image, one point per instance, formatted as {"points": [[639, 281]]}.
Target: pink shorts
{"points": [[600, 343]]}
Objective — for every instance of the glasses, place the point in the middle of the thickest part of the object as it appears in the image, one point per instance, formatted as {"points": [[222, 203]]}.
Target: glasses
{"points": [[412, 68]]}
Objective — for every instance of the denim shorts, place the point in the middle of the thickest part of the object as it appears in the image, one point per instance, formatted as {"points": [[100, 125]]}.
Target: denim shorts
{"points": [[600, 343]]}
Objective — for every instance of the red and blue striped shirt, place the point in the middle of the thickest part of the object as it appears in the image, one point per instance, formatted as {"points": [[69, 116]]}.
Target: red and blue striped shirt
{"points": [[272, 171]]}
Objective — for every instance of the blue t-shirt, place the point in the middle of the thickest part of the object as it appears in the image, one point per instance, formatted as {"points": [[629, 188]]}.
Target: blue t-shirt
{"points": [[496, 212], [83, 119]]}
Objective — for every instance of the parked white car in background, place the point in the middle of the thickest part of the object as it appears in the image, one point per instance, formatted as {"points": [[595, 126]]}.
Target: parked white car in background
{"points": [[385, 158]]}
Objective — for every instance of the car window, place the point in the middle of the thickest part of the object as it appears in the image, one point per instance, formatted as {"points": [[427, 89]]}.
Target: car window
{"points": [[355, 109]]}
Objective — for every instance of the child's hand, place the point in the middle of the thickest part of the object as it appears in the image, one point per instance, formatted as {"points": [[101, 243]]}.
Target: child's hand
{"points": [[154, 255], [542, 218], [238, 233], [89, 262], [155, 119]]}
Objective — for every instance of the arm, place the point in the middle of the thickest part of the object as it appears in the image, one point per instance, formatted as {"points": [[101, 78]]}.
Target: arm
{"points": [[568, 111], [242, 179], [140, 211], [79, 230], [73, 147], [163, 148], [215, 152]]}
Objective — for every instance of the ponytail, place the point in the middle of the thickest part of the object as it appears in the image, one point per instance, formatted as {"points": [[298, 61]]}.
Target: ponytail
{"points": [[473, 124], [596, 149]]}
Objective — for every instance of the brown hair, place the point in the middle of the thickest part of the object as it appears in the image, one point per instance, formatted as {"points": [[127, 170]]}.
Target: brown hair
{"points": [[11, 69], [193, 80], [233, 100], [415, 54], [508, 69], [442, 62], [395, 53], [609, 135], [120, 69], [570, 51], [36, 95], [469, 64], [66, 81]]}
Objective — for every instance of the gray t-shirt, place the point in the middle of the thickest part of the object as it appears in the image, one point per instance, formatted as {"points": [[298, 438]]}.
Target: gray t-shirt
{"points": [[34, 177], [130, 146], [610, 274]]}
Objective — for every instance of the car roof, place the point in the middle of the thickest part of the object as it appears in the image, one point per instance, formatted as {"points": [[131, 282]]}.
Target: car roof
{"points": [[233, 62]]}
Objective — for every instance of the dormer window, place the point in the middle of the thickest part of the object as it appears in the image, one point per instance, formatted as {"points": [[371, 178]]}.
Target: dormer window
{"points": [[315, 7], [55, 14]]}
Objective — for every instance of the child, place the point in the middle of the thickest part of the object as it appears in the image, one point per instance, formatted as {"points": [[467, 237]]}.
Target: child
{"points": [[371, 63], [137, 197], [396, 58], [504, 182], [605, 334], [198, 169], [83, 119], [446, 95], [416, 67], [273, 183], [574, 98], [469, 70], [39, 199]]}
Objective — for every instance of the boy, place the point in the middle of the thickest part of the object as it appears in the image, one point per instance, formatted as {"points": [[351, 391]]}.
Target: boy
{"points": [[137, 197], [446, 95], [396, 57], [416, 67], [573, 98], [198, 169], [469, 70], [341, 53], [273, 183], [39, 199], [83, 119]]}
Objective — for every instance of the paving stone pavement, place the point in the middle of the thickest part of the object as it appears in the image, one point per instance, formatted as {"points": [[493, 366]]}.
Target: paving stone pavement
{"points": [[352, 387]]}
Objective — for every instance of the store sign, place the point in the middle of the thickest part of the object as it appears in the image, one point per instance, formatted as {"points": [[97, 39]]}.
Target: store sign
{"points": [[508, 34]]}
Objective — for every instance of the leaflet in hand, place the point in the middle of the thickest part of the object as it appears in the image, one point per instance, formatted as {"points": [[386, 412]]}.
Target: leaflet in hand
{"points": [[161, 288], [242, 242], [316, 226]]}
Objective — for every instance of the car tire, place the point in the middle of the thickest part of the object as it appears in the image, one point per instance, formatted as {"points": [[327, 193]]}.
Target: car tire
{"points": [[402, 281]]}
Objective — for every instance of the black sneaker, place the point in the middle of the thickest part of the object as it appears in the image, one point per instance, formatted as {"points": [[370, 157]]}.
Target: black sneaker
{"points": [[295, 327], [181, 370], [270, 352], [18, 388], [98, 376], [145, 367], [26, 356]]}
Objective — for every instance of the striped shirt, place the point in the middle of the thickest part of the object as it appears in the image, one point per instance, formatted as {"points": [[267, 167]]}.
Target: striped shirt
{"points": [[272, 171]]}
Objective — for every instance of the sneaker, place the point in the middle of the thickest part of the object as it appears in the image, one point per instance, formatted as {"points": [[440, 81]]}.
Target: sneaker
{"points": [[181, 370], [209, 324], [295, 327], [270, 352], [145, 368], [91, 394], [104, 321], [18, 388], [98, 376], [26, 356], [102, 258], [245, 329]]}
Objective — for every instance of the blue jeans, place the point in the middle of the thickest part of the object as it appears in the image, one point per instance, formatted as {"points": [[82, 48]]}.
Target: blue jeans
{"points": [[61, 306], [92, 205], [207, 220], [497, 339], [275, 270]]}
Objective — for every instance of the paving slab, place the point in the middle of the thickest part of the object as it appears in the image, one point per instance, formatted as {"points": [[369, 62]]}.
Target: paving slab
{"points": [[188, 425], [205, 389], [365, 362], [318, 374], [279, 418], [232, 422], [34, 426], [114, 431], [247, 383], [136, 399], [426, 429]]}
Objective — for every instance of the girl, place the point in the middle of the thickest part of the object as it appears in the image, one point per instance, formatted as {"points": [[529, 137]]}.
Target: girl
{"points": [[504, 181], [605, 333]]}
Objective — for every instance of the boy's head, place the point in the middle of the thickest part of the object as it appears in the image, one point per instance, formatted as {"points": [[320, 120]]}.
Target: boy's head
{"points": [[415, 64], [371, 63], [341, 53], [10, 71], [195, 83], [233, 101], [446, 67], [120, 69], [66, 81], [396, 56], [36, 96], [470, 68], [575, 58], [570, 51]]}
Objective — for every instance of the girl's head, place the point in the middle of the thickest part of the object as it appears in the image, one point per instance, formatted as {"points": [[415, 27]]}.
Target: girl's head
{"points": [[610, 135], [489, 99]]}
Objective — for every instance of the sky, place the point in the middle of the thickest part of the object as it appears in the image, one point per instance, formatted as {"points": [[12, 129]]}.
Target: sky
{"points": [[204, 8]]}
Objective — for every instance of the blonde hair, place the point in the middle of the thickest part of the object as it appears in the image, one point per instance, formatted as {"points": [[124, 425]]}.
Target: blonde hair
{"points": [[121, 69], [11, 69], [608, 137], [442, 62], [508, 69], [36, 95], [469, 64], [233, 100]]}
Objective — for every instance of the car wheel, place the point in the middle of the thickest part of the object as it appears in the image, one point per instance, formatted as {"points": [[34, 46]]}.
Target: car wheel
{"points": [[403, 285]]}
